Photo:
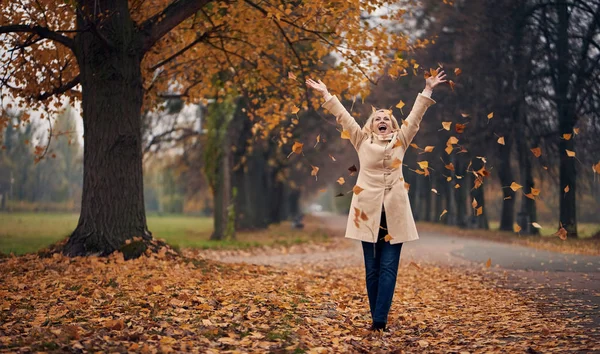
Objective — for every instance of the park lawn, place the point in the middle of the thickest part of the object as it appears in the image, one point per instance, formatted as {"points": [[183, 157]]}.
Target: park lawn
{"points": [[22, 233], [585, 244]]}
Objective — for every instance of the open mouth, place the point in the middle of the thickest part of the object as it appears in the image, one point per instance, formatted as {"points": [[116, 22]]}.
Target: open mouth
{"points": [[382, 128]]}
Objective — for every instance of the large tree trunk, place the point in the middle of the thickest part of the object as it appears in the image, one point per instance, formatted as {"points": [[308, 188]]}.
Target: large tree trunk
{"points": [[566, 118], [505, 174], [112, 207]]}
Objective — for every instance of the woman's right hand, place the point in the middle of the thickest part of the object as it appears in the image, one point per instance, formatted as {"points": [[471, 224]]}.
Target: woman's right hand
{"points": [[318, 86]]}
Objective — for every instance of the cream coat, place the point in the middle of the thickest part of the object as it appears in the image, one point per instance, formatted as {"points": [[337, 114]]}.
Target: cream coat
{"points": [[382, 183]]}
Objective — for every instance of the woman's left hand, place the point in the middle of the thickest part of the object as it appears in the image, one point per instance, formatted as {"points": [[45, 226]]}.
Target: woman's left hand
{"points": [[433, 81]]}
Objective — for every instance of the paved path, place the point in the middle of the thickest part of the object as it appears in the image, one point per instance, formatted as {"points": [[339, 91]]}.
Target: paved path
{"points": [[557, 280]]}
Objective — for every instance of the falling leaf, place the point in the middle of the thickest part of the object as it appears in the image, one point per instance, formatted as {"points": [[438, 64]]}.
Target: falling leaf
{"points": [[340, 195], [400, 104], [537, 152], [434, 190], [314, 171], [460, 128], [457, 71], [465, 115], [449, 149], [596, 168], [291, 75], [322, 190], [352, 169], [501, 140], [429, 148], [515, 186], [536, 225], [345, 134], [450, 166], [447, 125], [295, 109], [567, 136], [452, 141], [387, 238], [488, 263], [535, 191], [443, 213], [318, 140], [490, 115], [423, 164], [332, 158], [364, 216], [567, 189], [516, 228], [561, 233], [415, 146], [341, 180], [570, 153], [398, 143], [407, 186], [396, 163], [457, 186], [507, 198], [576, 130], [452, 84], [356, 189], [474, 203], [479, 211], [530, 196]]}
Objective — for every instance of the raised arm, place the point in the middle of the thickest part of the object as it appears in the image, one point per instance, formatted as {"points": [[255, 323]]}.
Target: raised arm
{"points": [[409, 129], [334, 106]]}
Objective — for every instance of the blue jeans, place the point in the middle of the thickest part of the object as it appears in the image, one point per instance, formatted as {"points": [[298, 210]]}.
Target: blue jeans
{"points": [[381, 266]]}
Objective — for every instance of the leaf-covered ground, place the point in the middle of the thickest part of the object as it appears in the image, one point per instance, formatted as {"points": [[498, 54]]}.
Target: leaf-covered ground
{"points": [[167, 303]]}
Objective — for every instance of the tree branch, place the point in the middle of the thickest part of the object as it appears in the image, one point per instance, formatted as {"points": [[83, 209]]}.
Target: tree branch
{"points": [[57, 91], [198, 39], [160, 24], [43, 32]]}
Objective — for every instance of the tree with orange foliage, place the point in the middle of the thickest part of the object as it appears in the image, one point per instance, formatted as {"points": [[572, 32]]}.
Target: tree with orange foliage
{"points": [[118, 57]]}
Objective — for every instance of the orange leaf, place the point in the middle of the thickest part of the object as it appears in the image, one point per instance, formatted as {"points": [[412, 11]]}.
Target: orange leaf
{"points": [[570, 153], [576, 130], [457, 71], [341, 180], [501, 140], [447, 125], [396, 163], [515, 186], [295, 109], [567, 136], [450, 166], [567, 189], [297, 148], [357, 190], [516, 227], [460, 128], [400, 104], [314, 171], [291, 75], [452, 141], [364, 216], [407, 186], [413, 145], [449, 149], [561, 233], [423, 164], [387, 238], [345, 134], [474, 203], [596, 168], [479, 211], [429, 148], [488, 263], [490, 115], [398, 143], [452, 84], [537, 152], [443, 213], [535, 191], [457, 186], [530, 196]]}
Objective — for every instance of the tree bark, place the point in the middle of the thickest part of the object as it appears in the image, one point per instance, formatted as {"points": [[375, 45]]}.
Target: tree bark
{"points": [[505, 173], [112, 207]]}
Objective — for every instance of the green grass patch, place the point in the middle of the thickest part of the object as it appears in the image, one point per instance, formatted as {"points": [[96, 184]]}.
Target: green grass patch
{"points": [[22, 233]]}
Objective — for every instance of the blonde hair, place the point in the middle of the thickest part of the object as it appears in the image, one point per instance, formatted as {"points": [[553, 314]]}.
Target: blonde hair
{"points": [[367, 128]]}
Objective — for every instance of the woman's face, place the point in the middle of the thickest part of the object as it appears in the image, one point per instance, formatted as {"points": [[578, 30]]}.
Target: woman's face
{"points": [[382, 124]]}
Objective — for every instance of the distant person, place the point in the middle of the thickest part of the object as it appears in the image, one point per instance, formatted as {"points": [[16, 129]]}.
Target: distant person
{"points": [[381, 145]]}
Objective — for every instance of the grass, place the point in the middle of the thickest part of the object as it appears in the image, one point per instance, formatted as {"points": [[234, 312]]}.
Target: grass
{"points": [[584, 230], [29, 232]]}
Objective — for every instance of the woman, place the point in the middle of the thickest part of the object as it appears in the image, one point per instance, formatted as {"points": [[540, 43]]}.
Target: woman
{"points": [[380, 206]]}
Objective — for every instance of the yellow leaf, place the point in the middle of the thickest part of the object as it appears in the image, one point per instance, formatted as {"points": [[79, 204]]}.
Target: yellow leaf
{"points": [[452, 141], [387, 238], [570, 153], [297, 147], [341, 180], [396, 163], [295, 109], [357, 190], [567, 136], [448, 179], [488, 263], [345, 134], [449, 149], [429, 148], [314, 171], [501, 140], [491, 115], [515, 186], [516, 227], [423, 164], [479, 211], [536, 225], [457, 186], [400, 104], [447, 125], [537, 152], [443, 213], [318, 138]]}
